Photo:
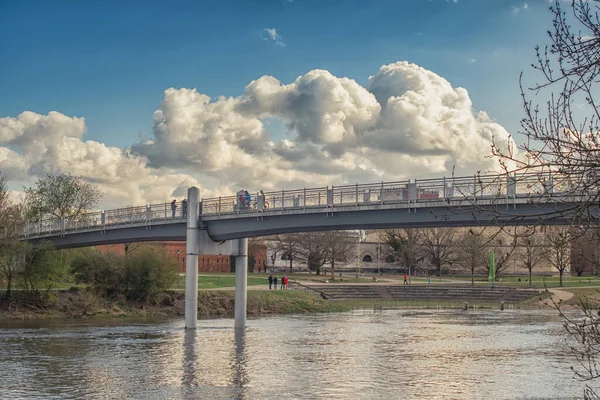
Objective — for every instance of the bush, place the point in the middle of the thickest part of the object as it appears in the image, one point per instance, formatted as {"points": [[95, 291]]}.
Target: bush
{"points": [[43, 268], [149, 271], [103, 272], [140, 274]]}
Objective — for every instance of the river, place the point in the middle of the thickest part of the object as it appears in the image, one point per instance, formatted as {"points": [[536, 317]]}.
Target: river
{"points": [[432, 354]]}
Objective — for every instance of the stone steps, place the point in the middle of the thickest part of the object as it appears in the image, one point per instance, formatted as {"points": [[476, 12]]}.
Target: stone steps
{"points": [[398, 293]]}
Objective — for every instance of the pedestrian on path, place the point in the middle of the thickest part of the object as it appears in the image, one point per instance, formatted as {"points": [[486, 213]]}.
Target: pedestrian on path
{"points": [[275, 282], [282, 286], [405, 280], [270, 281]]}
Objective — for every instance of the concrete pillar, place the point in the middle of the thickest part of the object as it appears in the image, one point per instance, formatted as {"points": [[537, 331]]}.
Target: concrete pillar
{"points": [[191, 261], [241, 283]]}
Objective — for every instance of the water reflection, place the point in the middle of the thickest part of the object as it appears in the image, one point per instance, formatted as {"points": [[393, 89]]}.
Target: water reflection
{"points": [[407, 354], [240, 377], [188, 377]]}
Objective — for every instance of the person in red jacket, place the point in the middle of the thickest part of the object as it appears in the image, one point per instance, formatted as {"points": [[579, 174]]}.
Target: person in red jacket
{"points": [[405, 280]]}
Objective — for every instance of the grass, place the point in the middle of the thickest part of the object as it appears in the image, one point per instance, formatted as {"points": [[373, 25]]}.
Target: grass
{"points": [[589, 296], [220, 281], [537, 281], [221, 303]]}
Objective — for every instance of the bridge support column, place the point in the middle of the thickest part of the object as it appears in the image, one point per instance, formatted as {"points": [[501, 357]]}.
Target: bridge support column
{"points": [[241, 283], [191, 260]]}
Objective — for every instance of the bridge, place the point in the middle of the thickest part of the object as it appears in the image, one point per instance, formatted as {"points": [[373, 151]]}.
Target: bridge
{"points": [[221, 225]]}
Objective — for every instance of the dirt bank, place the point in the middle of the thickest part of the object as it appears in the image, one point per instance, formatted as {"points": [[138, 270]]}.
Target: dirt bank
{"points": [[66, 304]]}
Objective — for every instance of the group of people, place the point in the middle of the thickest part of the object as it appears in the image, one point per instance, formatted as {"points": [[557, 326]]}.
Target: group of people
{"points": [[183, 208], [244, 199], [273, 281]]}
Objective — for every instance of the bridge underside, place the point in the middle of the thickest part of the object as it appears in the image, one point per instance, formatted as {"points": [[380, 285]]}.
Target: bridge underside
{"points": [[118, 234], [233, 227]]}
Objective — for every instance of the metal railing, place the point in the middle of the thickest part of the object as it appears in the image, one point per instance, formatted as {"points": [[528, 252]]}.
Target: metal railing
{"points": [[500, 187]]}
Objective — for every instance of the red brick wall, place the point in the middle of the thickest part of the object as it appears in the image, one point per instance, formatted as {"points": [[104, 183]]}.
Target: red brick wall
{"points": [[206, 263], [260, 256]]}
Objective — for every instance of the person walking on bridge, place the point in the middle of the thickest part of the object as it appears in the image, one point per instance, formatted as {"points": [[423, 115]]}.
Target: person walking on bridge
{"points": [[184, 208], [270, 281], [173, 208]]}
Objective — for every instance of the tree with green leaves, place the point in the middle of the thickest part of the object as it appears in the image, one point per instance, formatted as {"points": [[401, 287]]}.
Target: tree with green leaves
{"points": [[42, 268], [60, 195], [11, 228]]}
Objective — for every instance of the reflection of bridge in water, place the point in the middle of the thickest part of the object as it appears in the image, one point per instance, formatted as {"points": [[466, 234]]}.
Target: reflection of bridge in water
{"points": [[465, 201]]}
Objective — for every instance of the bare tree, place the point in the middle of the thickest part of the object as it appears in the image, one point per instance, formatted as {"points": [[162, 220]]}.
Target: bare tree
{"points": [[585, 252], [287, 246], [559, 141], [559, 238], [532, 250], [60, 195], [311, 249], [563, 141], [404, 246], [438, 246], [339, 247], [471, 253], [504, 246], [254, 246]]}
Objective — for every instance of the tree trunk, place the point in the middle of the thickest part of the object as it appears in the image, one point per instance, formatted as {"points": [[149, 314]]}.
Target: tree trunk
{"points": [[530, 276], [561, 275], [332, 269], [472, 276], [9, 285], [291, 263]]}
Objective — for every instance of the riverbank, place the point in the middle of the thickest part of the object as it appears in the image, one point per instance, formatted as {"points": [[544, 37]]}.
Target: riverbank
{"points": [[211, 303]]}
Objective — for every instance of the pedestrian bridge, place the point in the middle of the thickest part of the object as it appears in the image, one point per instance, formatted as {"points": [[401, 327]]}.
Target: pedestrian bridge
{"points": [[205, 225], [458, 201]]}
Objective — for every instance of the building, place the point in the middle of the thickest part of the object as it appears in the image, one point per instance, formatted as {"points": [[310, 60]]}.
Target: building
{"points": [[206, 263]]}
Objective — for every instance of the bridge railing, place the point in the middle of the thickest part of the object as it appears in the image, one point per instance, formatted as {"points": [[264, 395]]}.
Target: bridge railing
{"points": [[501, 186]]}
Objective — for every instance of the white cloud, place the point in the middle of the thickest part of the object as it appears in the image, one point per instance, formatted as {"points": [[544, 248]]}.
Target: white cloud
{"points": [[406, 122], [271, 34], [516, 10]]}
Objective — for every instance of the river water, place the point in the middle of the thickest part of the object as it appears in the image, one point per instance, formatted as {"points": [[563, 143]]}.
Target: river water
{"points": [[432, 354]]}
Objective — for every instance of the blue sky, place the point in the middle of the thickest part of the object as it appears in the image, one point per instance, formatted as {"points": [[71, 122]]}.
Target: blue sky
{"points": [[110, 61]]}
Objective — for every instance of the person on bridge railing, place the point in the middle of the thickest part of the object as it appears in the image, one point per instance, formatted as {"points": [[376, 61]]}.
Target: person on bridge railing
{"points": [[184, 208], [247, 198], [173, 208], [241, 200]]}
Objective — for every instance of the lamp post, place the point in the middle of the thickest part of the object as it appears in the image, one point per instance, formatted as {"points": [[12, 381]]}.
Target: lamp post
{"points": [[178, 262], [379, 253]]}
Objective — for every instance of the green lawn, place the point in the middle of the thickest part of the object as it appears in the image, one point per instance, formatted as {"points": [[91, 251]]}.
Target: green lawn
{"points": [[537, 281], [214, 281]]}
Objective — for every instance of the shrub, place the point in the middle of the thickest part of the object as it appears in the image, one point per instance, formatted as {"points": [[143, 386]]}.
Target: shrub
{"points": [[43, 268], [103, 272], [148, 271]]}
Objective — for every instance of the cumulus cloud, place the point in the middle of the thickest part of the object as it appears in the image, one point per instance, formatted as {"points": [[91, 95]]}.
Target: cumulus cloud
{"points": [[271, 35], [406, 122]]}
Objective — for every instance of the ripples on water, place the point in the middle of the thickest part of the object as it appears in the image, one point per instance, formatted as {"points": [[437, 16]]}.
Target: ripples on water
{"points": [[392, 355]]}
